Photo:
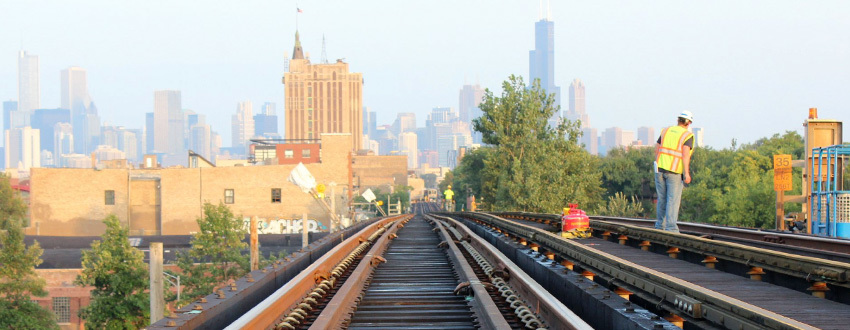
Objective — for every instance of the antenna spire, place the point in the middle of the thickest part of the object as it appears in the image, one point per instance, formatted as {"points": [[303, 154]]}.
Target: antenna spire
{"points": [[540, 11], [324, 53]]}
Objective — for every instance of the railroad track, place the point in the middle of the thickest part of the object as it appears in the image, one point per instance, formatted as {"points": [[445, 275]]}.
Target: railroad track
{"points": [[792, 266], [421, 272], [689, 292], [803, 244]]}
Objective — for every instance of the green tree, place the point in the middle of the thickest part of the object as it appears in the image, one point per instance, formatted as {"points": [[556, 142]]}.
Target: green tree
{"points": [[619, 205], [533, 166], [466, 177], [11, 206], [430, 180], [216, 254], [119, 276], [18, 281], [629, 172], [734, 186]]}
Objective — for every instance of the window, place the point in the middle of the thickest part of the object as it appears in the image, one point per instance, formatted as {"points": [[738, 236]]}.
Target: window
{"points": [[228, 196], [305, 153], [110, 197], [288, 153], [62, 309], [275, 195]]}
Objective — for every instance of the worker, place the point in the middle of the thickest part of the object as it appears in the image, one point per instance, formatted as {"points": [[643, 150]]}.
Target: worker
{"points": [[672, 168], [449, 194]]}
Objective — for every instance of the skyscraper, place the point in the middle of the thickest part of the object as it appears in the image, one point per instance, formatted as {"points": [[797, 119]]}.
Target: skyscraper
{"points": [[265, 123], [63, 142], [699, 133], [408, 145], [541, 60], [29, 90], [612, 137], [646, 135], [373, 122], [576, 109], [149, 132], [84, 118], [129, 141], [590, 140], [75, 93], [269, 109], [469, 99], [404, 122], [367, 125], [242, 125], [8, 107], [44, 121], [200, 140], [322, 98], [437, 125], [168, 122], [23, 148]]}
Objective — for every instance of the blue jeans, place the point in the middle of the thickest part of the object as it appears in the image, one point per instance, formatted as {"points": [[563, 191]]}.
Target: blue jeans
{"points": [[669, 188]]}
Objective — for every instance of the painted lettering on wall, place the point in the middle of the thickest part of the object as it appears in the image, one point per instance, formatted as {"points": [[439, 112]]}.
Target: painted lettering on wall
{"points": [[283, 226]]}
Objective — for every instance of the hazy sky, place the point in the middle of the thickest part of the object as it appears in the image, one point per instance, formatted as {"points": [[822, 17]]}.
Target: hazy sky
{"points": [[747, 69]]}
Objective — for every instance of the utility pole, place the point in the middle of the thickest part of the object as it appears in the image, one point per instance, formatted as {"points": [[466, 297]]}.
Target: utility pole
{"points": [[255, 247], [156, 282]]}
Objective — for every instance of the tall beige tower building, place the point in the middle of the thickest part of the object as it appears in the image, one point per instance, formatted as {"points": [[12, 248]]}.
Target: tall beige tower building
{"points": [[322, 98]]}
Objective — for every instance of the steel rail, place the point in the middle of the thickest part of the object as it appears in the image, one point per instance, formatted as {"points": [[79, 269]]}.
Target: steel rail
{"points": [[344, 301], [819, 243], [807, 267], [483, 305], [778, 237], [833, 272], [343, 304], [267, 312], [553, 312], [671, 291]]}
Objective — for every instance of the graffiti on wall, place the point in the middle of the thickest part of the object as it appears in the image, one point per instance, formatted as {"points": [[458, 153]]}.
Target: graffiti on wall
{"points": [[283, 226]]}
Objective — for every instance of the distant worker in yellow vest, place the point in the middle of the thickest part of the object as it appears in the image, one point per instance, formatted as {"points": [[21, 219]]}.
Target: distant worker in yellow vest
{"points": [[672, 170], [449, 195]]}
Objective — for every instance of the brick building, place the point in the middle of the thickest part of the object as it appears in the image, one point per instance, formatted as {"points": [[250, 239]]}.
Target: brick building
{"points": [[167, 201]]}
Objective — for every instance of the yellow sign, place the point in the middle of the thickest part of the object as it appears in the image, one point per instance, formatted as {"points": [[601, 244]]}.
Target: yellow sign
{"points": [[782, 172], [320, 188]]}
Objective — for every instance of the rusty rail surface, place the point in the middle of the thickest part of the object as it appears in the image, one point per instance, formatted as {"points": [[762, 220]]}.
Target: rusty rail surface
{"points": [[350, 276], [270, 310]]}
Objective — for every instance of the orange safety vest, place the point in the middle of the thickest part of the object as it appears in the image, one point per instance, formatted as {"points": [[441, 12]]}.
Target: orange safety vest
{"points": [[670, 152]]}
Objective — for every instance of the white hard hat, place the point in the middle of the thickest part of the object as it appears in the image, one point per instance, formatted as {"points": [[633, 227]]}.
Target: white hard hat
{"points": [[687, 115]]}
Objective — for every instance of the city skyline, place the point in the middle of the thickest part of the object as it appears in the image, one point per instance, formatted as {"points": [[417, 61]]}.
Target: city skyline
{"points": [[639, 70]]}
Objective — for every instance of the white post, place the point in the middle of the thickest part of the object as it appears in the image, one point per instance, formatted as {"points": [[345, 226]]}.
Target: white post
{"points": [[304, 235], [156, 283], [333, 206]]}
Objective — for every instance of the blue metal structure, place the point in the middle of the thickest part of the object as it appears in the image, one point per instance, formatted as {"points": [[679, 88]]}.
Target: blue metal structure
{"points": [[830, 205]]}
